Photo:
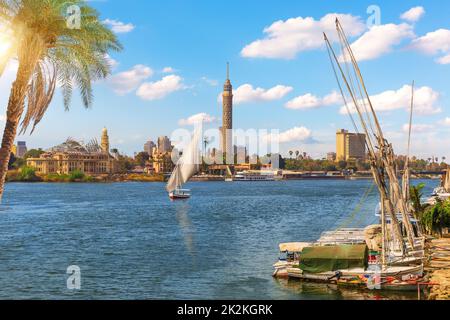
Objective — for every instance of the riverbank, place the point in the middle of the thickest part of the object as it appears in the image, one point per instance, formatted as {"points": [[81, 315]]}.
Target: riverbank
{"points": [[438, 268], [16, 176]]}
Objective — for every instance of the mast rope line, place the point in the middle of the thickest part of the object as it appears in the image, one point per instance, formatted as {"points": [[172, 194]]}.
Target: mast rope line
{"points": [[387, 152], [331, 53], [374, 161], [358, 207]]}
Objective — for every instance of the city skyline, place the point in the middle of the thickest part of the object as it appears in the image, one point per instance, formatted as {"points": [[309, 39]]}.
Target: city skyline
{"points": [[159, 85]]}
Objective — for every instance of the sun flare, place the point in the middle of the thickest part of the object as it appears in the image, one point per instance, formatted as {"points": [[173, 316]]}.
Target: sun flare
{"points": [[5, 45]]}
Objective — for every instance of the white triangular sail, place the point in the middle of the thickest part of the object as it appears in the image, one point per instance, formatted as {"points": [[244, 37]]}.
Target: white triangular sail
{"points": [[175, 180], [187, 165]]}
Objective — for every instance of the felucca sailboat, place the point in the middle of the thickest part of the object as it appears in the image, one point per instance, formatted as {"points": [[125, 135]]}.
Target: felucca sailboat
{"points": [[186, 167]]}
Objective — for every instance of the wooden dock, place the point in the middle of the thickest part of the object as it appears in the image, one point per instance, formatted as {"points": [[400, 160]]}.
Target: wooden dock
{"points": [[438, 268]]}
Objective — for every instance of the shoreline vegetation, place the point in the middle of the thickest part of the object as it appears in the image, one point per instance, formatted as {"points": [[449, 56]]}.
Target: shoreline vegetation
{"points": [[29, 175]]}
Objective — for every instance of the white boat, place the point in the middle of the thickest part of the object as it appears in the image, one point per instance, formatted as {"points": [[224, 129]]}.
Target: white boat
{"points": [[254, 176], [186, 167], [180, 194]]}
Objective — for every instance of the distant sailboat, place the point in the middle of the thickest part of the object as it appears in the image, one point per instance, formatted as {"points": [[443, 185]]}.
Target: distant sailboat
{"points": [[186, 167]]}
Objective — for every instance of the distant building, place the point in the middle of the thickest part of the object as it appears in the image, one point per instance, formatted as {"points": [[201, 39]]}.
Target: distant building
{"points": [[149, 147], [164, 145], [162, 163], [227, 115], [350, 146], [70, 156], [241, 154], [331, 156], [21, 149], [105, 141]]}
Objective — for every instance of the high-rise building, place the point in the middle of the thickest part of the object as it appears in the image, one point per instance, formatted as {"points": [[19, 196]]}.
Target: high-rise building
{"points": [[148, 147], [21, 149], [350, 146], [227, 116], [105, 141], [164, 144], [241, 153]]}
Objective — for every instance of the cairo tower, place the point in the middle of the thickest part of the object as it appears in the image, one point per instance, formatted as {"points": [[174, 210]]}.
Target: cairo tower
{"points": [[227, 117]]}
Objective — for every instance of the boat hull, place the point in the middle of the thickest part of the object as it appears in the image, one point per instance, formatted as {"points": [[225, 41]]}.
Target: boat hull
{"points": [[355, 277], [179, 196]]}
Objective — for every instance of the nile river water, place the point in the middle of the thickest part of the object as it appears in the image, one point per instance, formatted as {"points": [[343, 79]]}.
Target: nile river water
{"points": [[131, 242]]}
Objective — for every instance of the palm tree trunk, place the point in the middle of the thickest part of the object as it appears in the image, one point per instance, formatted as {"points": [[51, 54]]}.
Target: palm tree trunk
{"points": [[14, 112]]}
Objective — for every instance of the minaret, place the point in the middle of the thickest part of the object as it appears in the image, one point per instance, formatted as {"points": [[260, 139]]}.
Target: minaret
{"points": [[227, 117], [105, 141]]}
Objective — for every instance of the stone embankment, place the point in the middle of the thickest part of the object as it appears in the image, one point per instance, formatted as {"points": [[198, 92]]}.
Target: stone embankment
{"points": [[438, 269]]}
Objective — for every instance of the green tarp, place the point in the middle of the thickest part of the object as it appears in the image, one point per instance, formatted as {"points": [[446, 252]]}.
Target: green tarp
{"points": [[333, 258]]}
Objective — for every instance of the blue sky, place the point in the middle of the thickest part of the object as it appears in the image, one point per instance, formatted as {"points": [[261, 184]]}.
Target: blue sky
{"points": [[193, 40]]}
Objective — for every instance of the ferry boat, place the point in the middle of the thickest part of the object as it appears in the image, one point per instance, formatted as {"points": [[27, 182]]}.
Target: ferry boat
{"points": [[254, 176]]}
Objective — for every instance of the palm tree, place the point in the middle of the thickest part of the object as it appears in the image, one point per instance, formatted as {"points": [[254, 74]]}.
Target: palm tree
{"points": [[297, 153], [50, 52], [291, 153]]}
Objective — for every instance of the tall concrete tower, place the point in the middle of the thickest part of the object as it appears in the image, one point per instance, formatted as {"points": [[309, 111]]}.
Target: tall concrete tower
{"points": [[105, 141], [227, 116]]}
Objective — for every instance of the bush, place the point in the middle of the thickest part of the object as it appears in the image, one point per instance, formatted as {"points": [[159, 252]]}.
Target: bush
{"points": [[437, 217], [28, 174], [77, 176]]}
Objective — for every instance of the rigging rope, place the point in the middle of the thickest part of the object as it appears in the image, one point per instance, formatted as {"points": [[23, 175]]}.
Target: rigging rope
{"points": [[358, 207]]}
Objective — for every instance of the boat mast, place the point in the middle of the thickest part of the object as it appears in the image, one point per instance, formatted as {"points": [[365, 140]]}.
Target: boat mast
{"points": [[407, 171], [387, 153], [376, 158]]}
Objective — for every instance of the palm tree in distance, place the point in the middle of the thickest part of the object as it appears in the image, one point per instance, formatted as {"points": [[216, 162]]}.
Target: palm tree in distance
{"points": [[297, 154], [50, 52], [291, 153]]}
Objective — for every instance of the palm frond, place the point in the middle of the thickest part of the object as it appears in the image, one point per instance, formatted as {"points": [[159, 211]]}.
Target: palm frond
{"points": [[71, 58]]}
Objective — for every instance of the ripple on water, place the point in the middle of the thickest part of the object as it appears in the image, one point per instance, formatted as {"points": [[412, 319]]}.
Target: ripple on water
{"points": [[130, 241]]}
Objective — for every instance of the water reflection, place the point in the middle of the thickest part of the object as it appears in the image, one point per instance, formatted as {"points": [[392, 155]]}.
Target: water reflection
{"points": [[332, 291], [182, 209]]}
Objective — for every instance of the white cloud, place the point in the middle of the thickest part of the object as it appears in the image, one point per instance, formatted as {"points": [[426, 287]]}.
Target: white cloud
{"points": [[425, 101], [285, 39], [310, 101], [291, 135], [211, 82], [118, 26], [434, 43], [168, 70], [112, 62], [418, 128], [413, 14], [160, 89], [380, 40], [197, 118], [2, 117], [246, 93], [445, 122], [128, 81]]}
